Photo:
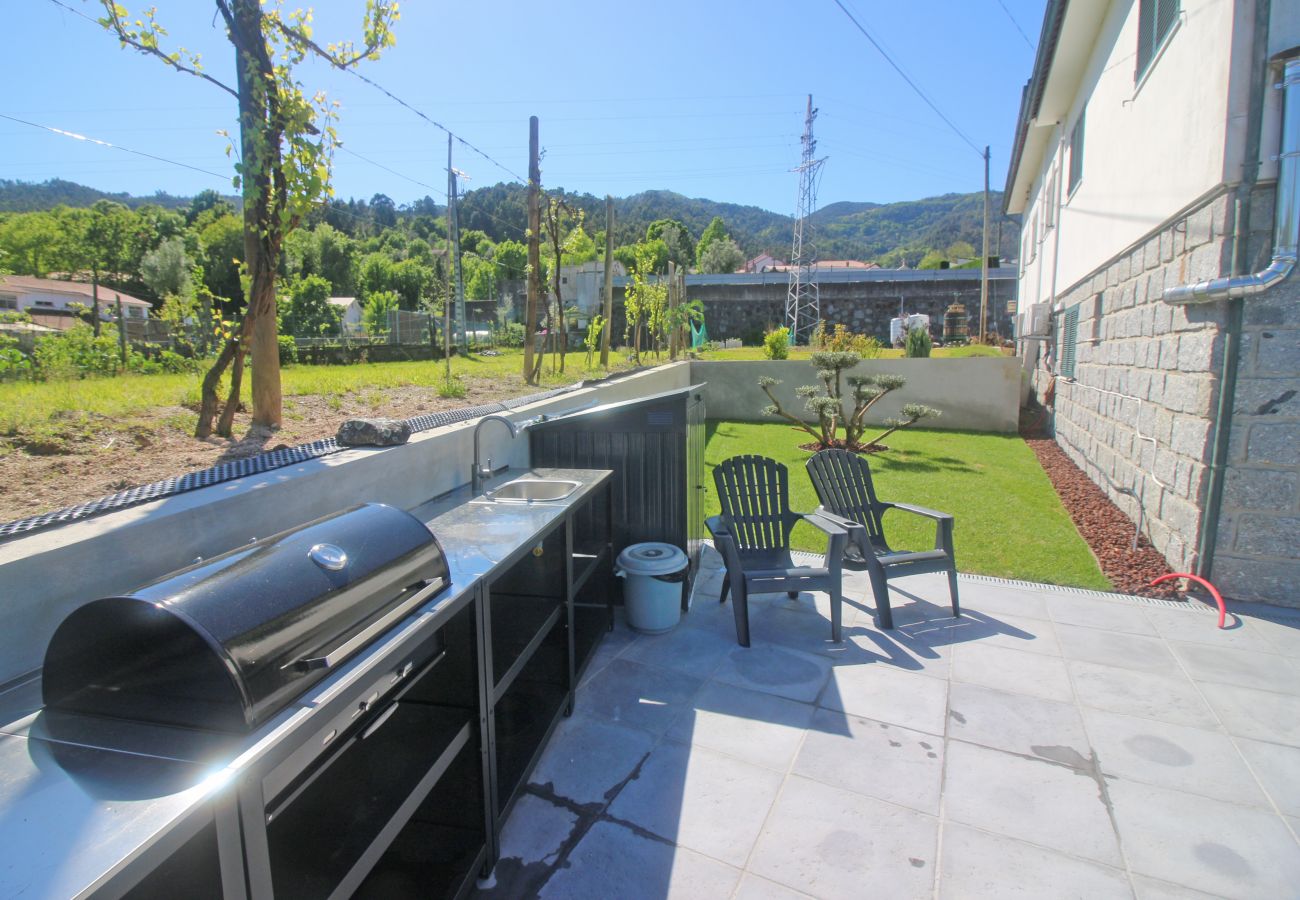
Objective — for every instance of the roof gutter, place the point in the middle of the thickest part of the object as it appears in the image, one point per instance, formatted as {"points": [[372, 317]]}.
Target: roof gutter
{"points": [[1031, 98], [1286, 226]]}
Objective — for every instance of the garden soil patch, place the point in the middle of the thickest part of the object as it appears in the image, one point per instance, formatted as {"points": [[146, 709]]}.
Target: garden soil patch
{"points": [[1103, 525], [94, 455]]}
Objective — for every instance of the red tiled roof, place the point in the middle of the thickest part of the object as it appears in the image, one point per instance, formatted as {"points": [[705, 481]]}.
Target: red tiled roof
{"points": [[27, 284]]}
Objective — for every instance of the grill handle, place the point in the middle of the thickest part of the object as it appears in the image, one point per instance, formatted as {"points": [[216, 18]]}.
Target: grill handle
{"points": [[366, 635]]}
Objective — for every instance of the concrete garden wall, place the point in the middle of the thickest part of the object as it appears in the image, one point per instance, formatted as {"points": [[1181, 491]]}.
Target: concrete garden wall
{"points": [[978, 394], [47, 574]]}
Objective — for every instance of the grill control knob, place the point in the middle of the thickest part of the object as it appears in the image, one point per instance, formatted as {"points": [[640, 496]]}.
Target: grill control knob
{"points": [[328, 556]]}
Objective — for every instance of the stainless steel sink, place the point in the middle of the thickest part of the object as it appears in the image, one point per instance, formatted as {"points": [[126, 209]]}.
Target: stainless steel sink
{"points": [[532, 490]]}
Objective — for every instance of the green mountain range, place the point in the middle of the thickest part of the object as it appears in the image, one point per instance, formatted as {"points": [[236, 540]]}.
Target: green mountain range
{"points": [[890, 233]]}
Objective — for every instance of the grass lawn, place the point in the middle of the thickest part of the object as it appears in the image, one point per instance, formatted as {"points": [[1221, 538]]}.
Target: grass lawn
{"points": [[33, 406], [1008, 520], [756, 353]]}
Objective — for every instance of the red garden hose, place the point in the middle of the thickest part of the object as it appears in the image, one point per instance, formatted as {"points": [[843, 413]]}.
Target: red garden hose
{"points": [[1223, 610]]}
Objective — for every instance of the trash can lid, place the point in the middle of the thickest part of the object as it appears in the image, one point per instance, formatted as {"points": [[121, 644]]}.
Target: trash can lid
{"points": [[652, 559]]}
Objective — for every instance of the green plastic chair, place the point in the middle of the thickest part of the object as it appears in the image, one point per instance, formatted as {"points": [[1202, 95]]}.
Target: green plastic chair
{"points": [[848, 497], [753, 536]]}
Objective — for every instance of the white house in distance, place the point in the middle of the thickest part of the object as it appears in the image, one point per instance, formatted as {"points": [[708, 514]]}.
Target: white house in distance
{"points": [[1159, 318], [584, 285], [352, 311], [50, 301]]}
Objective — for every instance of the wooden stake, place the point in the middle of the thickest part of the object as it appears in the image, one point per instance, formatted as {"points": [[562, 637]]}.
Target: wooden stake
{"points": [[984, 263], [609, 282], [534, 251]]}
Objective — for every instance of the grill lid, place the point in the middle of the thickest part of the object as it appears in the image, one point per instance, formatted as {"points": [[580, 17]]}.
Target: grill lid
{"points": [[226, 643]]}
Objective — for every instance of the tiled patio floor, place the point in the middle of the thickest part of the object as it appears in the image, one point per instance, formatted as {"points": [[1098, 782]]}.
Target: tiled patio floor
{"points": [[1049, 743]]}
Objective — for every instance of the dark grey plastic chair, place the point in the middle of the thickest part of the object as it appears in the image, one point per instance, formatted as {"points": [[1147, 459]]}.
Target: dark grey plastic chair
{"points": [[753, 536], [843, 484]]}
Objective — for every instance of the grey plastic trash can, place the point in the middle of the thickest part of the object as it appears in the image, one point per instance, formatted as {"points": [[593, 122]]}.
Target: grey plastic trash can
{"points": [[654, 575]]}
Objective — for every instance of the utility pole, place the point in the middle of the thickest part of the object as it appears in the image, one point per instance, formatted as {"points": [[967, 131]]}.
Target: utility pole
{"points": [[534, 251], [453, 233], [609, 281], [984, 262], [451, 242]]}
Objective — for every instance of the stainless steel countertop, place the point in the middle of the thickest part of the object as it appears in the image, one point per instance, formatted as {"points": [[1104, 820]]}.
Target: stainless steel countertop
{"points": [[80, 800]]}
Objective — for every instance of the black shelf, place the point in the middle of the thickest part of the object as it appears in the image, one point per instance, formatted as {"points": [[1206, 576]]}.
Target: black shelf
{"points": [[585, 565], [519, 625], [590, 624], [324, 842], [526, 714], [195, 865], [440, 850]]}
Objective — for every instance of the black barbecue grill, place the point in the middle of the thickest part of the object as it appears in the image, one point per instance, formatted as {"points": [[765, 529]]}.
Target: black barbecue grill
{"points": [[227, 642]]}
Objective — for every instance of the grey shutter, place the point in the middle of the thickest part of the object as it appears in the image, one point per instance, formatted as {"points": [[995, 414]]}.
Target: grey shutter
{"points": [[1069, 337]]}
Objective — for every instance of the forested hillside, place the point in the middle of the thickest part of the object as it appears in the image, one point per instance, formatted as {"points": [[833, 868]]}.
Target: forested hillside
{"points": [[888, 234]]}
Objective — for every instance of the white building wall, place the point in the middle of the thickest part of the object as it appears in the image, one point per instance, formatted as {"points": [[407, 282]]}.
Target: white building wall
{"points": [[1151, 149], [46, 300]]}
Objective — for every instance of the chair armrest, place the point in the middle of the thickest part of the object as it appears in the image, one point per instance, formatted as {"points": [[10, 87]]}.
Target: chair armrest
{"points": [[847, 524], [837, 535], [831, 525], [725, 544], [919, 510], [943, 524]]}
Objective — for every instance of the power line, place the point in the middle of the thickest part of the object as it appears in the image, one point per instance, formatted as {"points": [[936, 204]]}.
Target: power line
{"points": [[1028, 42], [396, 99], [82, 137], [379, 165], [912, 84], [383, 90]]}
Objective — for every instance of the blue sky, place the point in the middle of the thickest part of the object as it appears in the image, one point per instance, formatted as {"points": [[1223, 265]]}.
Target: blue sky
{"points": [[704, 98]]}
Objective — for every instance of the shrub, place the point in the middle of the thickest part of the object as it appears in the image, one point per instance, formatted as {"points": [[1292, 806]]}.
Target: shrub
{"points": [[175, 364], [288, 349], [918, 343], [452, 388], [510, 335], [776, 344], [13, 362], [77, 353], [841, 340]]}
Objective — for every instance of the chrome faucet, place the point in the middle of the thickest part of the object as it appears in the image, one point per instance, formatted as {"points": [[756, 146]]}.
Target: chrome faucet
{"points": [[478, 473]]}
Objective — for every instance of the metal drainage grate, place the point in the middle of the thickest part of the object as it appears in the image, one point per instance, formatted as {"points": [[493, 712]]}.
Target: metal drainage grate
{"points": [[252, 465]]}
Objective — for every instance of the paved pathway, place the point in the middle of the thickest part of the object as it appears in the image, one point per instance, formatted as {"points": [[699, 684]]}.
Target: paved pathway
{"points": [[1049, 743]]}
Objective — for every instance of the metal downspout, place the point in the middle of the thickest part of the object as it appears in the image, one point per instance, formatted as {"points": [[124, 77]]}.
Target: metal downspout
{"points": [[1286, 232]]}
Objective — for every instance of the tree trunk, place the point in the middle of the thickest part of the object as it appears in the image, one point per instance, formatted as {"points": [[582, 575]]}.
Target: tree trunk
{"points": [[208, 398], [260, 138], [226, 424], [264, 347]]}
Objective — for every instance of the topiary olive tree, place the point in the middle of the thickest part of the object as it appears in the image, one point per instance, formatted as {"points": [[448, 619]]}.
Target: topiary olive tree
{"points": [[826, 402]]}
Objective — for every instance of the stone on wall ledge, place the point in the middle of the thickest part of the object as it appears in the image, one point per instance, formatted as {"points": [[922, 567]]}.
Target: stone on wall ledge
{"points": [[373, 433]]}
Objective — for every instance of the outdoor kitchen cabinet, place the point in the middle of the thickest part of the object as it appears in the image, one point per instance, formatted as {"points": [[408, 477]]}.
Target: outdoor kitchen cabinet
{"points": [[393, 802], [545, 618], [388, 775]]}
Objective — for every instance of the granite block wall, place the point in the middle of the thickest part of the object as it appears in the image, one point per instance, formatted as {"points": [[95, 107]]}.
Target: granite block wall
{"points": [[1138, 417]]}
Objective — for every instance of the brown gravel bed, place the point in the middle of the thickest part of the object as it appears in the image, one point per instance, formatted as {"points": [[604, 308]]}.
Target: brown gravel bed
{"points": [[1103, 525]]}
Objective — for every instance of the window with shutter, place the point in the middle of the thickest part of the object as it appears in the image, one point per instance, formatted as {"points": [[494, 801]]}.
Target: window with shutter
{"points": [[1069, 337], [1156, 20]]}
